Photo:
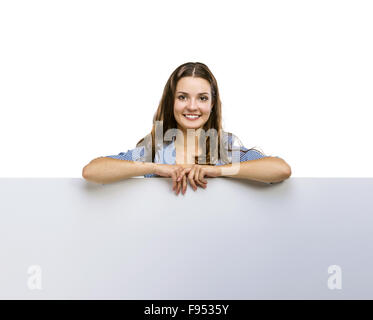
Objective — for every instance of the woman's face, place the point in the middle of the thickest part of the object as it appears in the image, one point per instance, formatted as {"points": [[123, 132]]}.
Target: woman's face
{"points": [[192, 97]]}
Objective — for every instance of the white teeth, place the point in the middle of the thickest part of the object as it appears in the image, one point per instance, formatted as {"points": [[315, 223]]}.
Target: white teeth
{"points": [[192, 117]]}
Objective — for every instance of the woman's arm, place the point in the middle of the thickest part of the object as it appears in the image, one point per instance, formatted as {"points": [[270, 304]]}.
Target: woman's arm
{"points": [[108, 170], [267, 169]]}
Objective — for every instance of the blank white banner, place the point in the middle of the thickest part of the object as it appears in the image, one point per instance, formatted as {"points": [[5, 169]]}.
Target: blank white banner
{"points": [[304, 238]]}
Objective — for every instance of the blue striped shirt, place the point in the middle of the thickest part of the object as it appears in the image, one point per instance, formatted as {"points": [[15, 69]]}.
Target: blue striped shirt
{"points": [[169, 153]]}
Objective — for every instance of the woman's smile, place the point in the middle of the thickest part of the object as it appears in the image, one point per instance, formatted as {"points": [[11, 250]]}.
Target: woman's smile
{"points": [[192, 117]]}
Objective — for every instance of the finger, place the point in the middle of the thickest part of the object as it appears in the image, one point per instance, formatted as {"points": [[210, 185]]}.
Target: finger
{"points": [[179, 183], [182, 173], [184, 184], [191, 178], [178, 188], [201, 178], [196, 172], [196, 177], [202, 175], [179, 172], [181, 179], [187, 170], [174, 177]]}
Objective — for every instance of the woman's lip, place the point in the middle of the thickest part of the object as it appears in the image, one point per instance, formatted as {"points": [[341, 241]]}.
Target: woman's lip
{"points": [[191, 118]]}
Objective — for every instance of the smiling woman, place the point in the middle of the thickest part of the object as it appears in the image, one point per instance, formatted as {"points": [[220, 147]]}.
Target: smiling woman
{"points": [[190, 111], [192, 107]]}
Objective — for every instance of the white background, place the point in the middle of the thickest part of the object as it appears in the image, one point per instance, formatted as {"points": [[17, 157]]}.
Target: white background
{"points": [[82, 79]]}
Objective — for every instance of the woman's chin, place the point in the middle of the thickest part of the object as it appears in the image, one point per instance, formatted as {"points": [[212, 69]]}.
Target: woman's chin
{"points": [[192, 125]]}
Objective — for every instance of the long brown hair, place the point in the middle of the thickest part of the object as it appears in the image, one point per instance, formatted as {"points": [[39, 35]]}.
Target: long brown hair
{"points": [[165, 111]]}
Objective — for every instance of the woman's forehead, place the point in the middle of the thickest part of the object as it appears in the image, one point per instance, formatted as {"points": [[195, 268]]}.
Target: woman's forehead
{"points": [[193, 85]]}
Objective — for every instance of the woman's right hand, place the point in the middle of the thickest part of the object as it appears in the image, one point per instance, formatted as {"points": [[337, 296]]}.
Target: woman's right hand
{"points": [[174, 171]]}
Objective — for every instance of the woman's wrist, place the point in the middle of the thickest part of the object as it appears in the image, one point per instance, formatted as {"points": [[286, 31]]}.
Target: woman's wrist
{"points": [[219, 172], [153, 167], [214, 170]]}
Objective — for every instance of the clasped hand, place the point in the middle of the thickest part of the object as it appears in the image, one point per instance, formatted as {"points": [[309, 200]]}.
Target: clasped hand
{"points": [[194, 173]]}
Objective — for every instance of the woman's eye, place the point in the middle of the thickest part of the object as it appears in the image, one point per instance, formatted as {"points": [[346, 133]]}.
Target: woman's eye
{"points": [[203, 98]]}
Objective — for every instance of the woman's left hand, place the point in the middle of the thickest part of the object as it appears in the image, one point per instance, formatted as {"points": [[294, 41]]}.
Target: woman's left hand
{"points": [[196, 174]]}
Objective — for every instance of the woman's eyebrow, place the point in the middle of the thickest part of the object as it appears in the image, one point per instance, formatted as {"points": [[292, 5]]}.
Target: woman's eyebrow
{"points": [[188, 93]]}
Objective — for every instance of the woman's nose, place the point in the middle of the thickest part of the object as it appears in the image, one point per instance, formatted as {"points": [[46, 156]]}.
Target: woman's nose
{"points": [[192, 104]]}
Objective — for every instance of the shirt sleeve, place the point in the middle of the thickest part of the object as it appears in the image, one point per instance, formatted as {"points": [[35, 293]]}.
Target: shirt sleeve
{"points": [[131, 155], [136, 154], [247, 155]]}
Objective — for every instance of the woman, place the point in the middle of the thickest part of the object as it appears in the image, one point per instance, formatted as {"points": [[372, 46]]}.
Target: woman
{"points": [[190, 110]]}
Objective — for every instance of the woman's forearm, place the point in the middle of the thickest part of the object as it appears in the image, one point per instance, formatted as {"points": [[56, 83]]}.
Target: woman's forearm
{"points": [[108, 170], [268, 169]]}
